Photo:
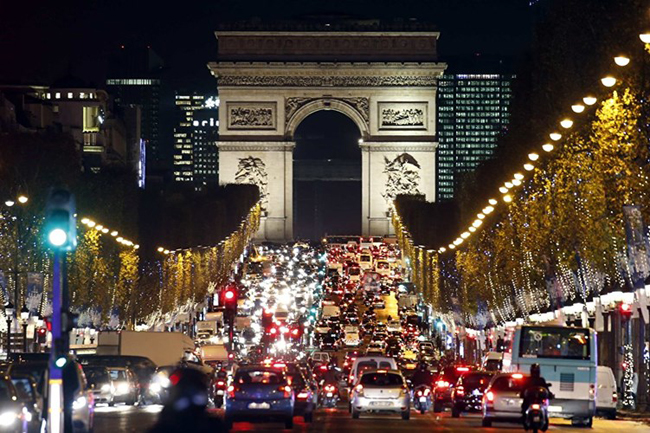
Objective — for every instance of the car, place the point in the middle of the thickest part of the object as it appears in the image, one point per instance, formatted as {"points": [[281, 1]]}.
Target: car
{"points": [[125, 384], [380, 391], [467, 395], [363, 363], [445, 383], [27, 394], [306, 393], [101, 384], [493, 361], [607, 397], [320, 358], [378, 303], [394, 326], [502, 398], [13, 411], [259, 392]]}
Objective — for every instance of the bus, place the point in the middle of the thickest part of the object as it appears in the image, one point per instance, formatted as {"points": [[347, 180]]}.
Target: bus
{"points": [[567, 357]]}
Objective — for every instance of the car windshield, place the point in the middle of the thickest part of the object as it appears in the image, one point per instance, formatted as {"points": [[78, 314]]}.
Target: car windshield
{"points": [[551, 342], [364, 259], [33, 370], [509, 383], [262, 377], [96, 375], [23, 388], [493, 365], [382, 379], [476, 381], [118, 374]]}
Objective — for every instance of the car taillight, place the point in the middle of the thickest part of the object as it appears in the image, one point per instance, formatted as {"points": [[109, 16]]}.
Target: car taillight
{"points": [[592, 391], [614, 397], [303, 395], [221, 383], [420, 393], [231, 391], [286, 389], [534, 406], [460, 390], [329, 388], [463, 369], [489, 396], [427, 391], [359, 389], [442, 384]]}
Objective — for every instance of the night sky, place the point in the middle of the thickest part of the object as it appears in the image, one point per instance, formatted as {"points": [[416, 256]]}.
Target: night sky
{"points": [[39, 44]]}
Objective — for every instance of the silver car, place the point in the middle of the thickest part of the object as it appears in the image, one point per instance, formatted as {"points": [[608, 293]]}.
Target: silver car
{"points": [[381, 391], [502, 398]]}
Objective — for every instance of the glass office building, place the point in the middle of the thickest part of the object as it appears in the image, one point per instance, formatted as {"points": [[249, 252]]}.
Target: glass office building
{"points": [[472, 114]]}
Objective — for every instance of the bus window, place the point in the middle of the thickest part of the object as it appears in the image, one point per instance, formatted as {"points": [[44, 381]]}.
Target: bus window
{"points": [[567, 343]]}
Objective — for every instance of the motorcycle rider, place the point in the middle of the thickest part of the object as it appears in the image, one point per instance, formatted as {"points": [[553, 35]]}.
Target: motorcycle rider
{"points": [[535, 381], [422, 376]]}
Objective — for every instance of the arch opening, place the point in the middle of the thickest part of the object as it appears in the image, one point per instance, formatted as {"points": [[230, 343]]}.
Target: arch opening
{"points": [[326, 176]]}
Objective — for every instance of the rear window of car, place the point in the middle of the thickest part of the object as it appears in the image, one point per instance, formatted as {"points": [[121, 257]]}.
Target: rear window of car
{"points": [[118, 374], [96, 375], [508, 383], [263, 377], [476, 381], [366, 365], [382, 379]]}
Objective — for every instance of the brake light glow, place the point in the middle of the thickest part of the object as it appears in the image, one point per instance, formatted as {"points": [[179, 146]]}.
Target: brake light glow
{"points": [[323, 367], [359, 388], [329, 388], [231, 391], [427, 391], [517, 376], [279, 365], [382, 371], [460, 390], [534, 406], [614, 397], [220, 383], [303, 395], [273, 331], [462, 368], [442, 384], [489, 396], [286, 389]]}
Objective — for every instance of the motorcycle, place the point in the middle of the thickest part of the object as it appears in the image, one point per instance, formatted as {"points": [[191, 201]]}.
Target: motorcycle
{"points": [[536, 414], [330, 395], [422, 398]]}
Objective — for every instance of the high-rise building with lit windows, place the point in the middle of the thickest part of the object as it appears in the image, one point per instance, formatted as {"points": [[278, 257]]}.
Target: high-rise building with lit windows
{"points": [[134, 78], [195, 139], [473, 111]]}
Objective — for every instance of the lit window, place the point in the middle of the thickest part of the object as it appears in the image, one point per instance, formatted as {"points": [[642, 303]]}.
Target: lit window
{"points": [[57, 95], [70, 95]]}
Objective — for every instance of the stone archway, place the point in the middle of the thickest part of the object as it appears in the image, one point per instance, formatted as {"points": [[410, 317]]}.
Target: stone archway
{"points": [[386, 82]]}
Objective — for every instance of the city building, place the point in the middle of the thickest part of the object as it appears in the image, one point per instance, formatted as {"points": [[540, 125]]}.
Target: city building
{"points": [[473, 111], [81, 110], [134, 79], [195, 139]]}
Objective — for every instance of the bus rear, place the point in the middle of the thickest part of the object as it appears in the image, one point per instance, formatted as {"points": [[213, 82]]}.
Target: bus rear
{"points": [[568, 361]]}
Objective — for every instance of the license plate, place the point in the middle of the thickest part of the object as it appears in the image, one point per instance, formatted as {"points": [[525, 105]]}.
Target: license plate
{"points": [[536, 419], [259, 406], [423, 399], [329, 394], [555, 408], [380, 403], [220, 392]]}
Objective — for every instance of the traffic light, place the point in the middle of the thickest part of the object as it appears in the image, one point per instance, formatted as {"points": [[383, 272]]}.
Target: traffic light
{"points": [[60, 223], [626, 312], [60, 354], [229, 297]]}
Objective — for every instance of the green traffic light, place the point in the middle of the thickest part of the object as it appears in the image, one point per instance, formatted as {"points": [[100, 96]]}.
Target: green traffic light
{"points": [[60, 362], [57, 237]]}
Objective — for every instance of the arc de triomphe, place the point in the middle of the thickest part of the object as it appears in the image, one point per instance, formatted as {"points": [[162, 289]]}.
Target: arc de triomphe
{"points": [[386, 82]]}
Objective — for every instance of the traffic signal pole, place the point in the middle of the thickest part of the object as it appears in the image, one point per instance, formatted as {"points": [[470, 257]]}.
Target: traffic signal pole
{"points": [[55, 414]]}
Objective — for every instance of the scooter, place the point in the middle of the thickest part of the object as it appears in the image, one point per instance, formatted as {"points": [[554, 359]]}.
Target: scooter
{"points": [[330, 395], [536, 415], [422, 398]]}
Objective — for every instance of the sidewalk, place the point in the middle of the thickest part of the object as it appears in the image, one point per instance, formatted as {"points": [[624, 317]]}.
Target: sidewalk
{"points": [[630, 415]]}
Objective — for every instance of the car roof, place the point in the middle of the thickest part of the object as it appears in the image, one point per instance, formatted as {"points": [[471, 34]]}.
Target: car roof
{"points": [[381, 370]]}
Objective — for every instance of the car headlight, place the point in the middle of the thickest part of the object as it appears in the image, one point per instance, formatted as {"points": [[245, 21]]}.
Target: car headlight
{"points": [[79, 403], [122, 388], [8, 418], [106, 387], [27, 415], [155, 387]]}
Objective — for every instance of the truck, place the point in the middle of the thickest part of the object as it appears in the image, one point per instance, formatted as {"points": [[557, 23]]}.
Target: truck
{"points": [[206, 329], [407, 301], [163, 348], [214, 353]]}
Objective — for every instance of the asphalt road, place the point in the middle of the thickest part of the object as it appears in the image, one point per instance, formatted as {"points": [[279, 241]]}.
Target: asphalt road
{"points": [[134, 419]]}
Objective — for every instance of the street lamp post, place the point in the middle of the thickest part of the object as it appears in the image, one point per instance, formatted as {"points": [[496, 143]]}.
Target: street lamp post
{"points": [[24, 317], [9, 312]]}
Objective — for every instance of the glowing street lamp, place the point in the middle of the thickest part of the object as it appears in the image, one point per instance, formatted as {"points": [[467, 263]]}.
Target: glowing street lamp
{"points": [[547, 147], [507, 198], [503, 189], [590, 100], [23, 199], [555, 136], [578, 108], [608, 81], [566, 123], [533, 156], [519, 176], [492, 201], [10, 203], [645, 37], [529, 167], [622, 60]]}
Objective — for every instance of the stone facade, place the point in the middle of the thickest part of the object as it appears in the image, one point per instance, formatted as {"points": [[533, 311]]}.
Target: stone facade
{"points": [[392, 103]]}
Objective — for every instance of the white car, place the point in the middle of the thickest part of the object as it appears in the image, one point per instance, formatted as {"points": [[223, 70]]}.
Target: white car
{"points": [[351, 339], [376, 347], [394, 326], [380, 391], [606, 397]]}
